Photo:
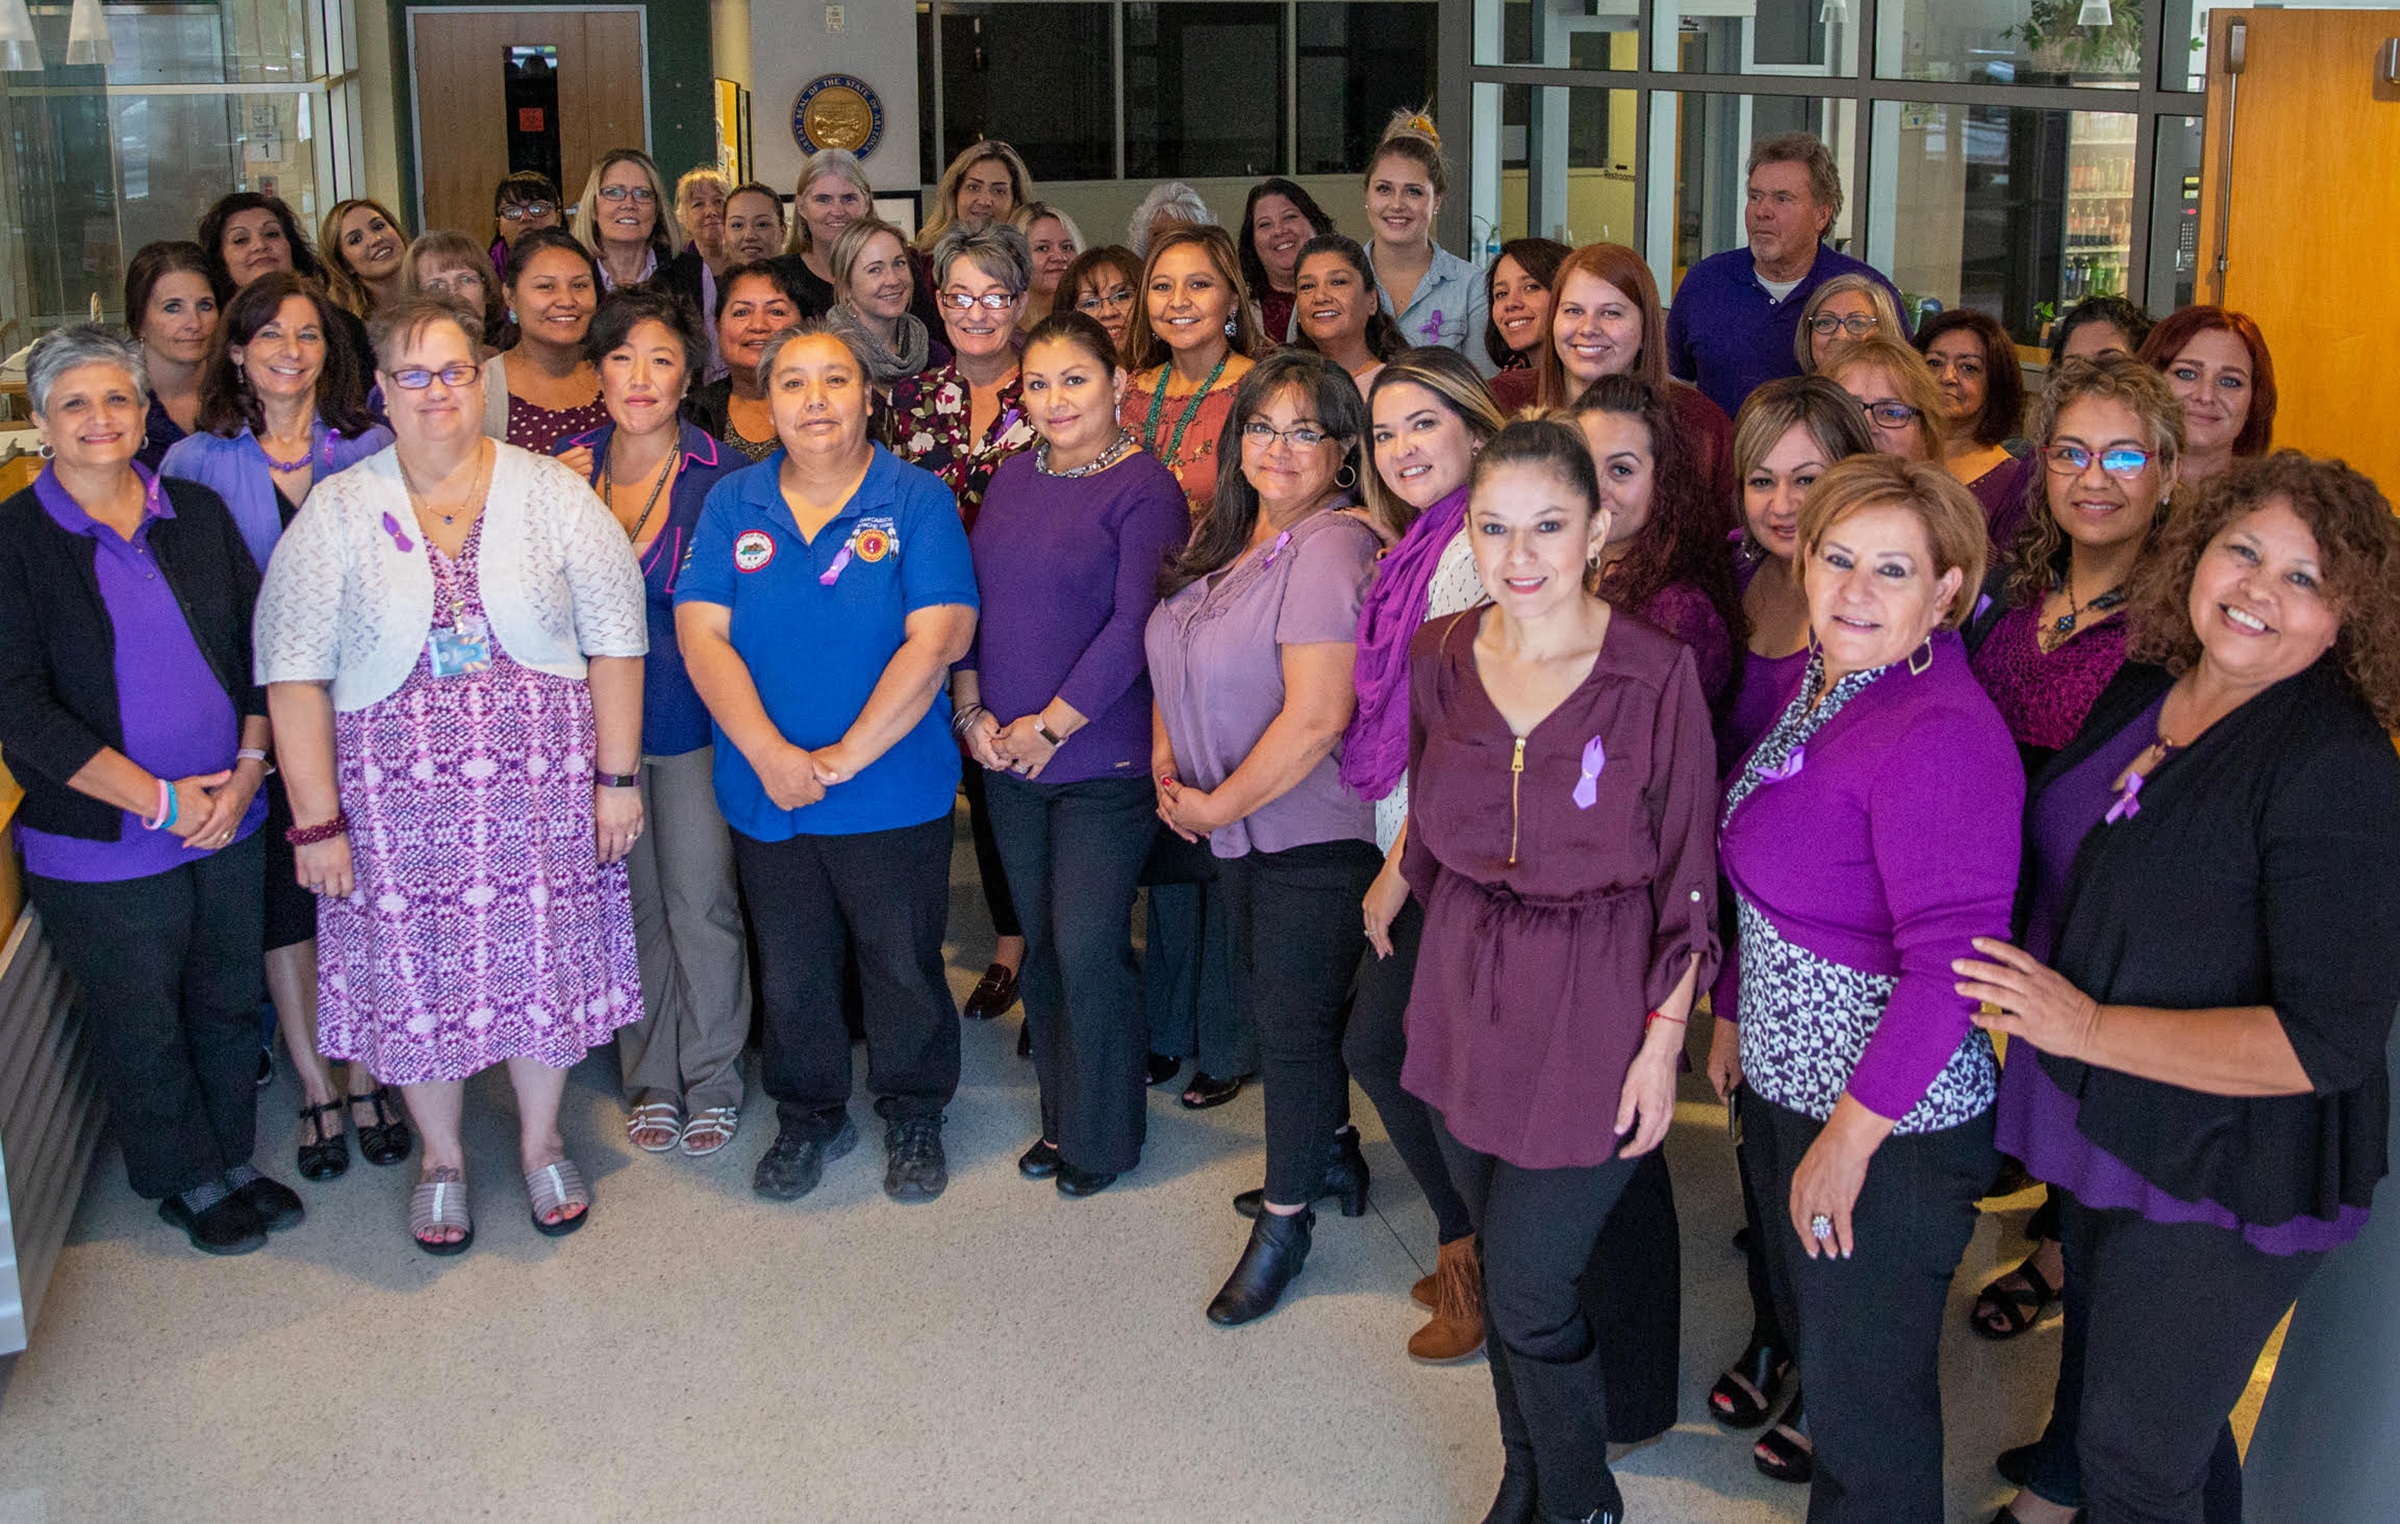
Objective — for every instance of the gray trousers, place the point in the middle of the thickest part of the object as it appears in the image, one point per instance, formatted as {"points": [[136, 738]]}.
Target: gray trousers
{"points": [[687, 932]]}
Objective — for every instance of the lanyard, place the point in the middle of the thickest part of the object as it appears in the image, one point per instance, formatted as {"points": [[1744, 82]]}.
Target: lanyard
{"points": [[608, 487]]}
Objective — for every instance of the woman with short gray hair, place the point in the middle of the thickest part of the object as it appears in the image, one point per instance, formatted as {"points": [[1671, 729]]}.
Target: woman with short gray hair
{"points": [[128, 714], [1171, 204]]}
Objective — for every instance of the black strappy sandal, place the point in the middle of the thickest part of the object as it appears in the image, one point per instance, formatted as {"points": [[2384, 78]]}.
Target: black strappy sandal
{"points": [[387, 1139], [1750, 1387], [2002, 1312], [327, 1158], [1784, 1453]]}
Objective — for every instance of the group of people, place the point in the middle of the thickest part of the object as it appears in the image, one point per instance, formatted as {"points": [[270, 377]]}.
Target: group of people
{"points": [[1476, 672]]}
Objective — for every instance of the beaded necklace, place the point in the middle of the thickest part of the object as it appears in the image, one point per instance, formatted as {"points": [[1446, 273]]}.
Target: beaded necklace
{"points": [[1158, 404]]}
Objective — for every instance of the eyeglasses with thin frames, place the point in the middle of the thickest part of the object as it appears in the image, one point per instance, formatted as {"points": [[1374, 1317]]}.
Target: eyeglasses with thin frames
{"points": [[1857, 325], [1117, 300], [1299, 436], [989, 301], [641, 195], [525, 209]]}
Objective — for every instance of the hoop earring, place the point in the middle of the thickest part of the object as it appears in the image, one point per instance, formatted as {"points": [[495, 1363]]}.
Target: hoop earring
{"points": [[46, 452], [1922, 659], [1347, 470]]}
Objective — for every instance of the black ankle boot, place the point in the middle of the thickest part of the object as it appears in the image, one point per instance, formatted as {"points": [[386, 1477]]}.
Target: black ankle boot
{"points": [[1345, 1179], [1270, 1262], [1567, 1420], [1518, 1500]]}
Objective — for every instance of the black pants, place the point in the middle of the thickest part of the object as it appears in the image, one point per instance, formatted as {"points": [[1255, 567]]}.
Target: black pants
{"points": [[1632, 1291], [167, 969], [988, 866], [1376, 1046], [1296, 942], [1074, 853], [1537, 1229], [1868, 1329], [1187, 963], [887, 894], [1766, 1327], [2164, 1326]]}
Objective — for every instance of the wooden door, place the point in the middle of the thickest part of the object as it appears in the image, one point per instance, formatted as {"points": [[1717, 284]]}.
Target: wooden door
{"points": [[2312, 222], [457, 62]]}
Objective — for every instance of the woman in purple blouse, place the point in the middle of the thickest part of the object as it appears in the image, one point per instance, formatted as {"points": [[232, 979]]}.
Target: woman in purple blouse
{"points": [[2200, 1012], [1250, 656], [1561, 842], [1053, 700], [1868, 837]]}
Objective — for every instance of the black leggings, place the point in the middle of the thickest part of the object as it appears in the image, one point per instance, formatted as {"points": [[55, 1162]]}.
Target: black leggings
{"points": [[1376, 1046], [987, 855]]}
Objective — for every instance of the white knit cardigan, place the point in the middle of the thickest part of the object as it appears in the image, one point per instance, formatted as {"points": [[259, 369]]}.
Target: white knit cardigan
{"points": [[349, 593]]}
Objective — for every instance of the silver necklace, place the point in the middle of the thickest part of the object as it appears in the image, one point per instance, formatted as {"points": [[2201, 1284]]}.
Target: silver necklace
{"points": [[1106, 458]]}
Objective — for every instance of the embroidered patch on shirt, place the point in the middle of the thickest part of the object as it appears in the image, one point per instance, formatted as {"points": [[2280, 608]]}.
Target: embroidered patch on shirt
{"points": [[876, 538], [752, 549]]}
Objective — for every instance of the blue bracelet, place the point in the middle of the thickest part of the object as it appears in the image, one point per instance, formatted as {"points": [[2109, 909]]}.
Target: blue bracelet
{"points": [[174, 806]]}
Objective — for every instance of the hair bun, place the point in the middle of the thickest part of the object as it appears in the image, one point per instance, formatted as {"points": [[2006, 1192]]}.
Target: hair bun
{"points": [[1419, 123]]}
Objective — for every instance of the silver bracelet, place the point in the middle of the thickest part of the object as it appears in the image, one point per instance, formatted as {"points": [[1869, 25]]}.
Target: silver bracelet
{"points": [[960, 721]]}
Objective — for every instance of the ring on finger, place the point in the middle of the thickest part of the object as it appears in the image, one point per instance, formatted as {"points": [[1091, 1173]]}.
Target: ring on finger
{"points": [[1821, 1228]]}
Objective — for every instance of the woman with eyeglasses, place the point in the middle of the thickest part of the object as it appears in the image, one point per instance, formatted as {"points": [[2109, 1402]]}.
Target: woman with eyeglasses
{"points": [[1897, 394], [523, 202], [1250, 654], [1192, 340], [280, 411], [960, 421], [1517, 293], [1277, 219], [983, 186], [1842, 311], [452, 640], [754, 303], [1101, 284], [1974, 363], [171, 308], [448, 265], [544, 389], [622, 219]]}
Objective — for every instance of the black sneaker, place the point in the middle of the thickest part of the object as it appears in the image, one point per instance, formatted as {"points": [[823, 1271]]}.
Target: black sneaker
{"points": [[793, 1165], [914, 1167], [277, 1205], [226, 1225]]}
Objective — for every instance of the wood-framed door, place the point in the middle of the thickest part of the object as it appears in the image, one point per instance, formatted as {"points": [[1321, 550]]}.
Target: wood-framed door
{"points": [[457, 59], [2304, 198]]}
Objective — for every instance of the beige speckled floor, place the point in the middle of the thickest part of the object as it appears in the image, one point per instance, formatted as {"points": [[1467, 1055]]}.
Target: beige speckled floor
{"points": [[696, 1353]]}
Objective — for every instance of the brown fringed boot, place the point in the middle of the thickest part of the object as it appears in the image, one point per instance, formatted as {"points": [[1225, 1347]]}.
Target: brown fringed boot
{"points": [[1456, 1330]]}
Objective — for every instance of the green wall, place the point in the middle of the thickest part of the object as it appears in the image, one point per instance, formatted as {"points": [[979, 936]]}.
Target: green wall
{"points": [[683, 112]]}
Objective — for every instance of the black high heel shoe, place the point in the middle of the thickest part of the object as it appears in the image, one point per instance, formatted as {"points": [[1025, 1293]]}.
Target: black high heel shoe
{"points": [[1784, 1453], [1345, 1179], [387, 1139], [1270, 1262], [1750, 1387], [327, 1155]]}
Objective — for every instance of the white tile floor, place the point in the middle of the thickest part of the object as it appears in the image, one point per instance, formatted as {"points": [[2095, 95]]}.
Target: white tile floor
{"points": [[697, 1353]]}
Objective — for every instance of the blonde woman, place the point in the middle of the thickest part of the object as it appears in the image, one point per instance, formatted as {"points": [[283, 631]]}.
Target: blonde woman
{"points": [[362, 243], [832, 194], [621, 218], [986, 183], [1901, 400], [1844, 310], [1054, 240]]}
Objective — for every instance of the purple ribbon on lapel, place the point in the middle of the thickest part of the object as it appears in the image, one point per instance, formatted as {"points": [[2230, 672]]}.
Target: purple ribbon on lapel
{"points": [[2129, 801], [1587, 787], [1433, 327], [840, 560], [1276, 549], [1786, 770], [400, 539]]}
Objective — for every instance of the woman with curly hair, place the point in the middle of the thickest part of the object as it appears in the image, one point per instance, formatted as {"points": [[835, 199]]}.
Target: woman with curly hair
{"points": [[2203, 991]]}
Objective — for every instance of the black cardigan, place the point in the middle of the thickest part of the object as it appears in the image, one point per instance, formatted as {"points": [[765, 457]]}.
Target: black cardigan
{"points": [[2262, 869], [58, 648]]}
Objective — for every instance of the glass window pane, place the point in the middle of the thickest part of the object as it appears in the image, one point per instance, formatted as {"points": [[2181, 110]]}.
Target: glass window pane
{"points": [[1566, 164], [1037, 76], [1203, 89], [1360, 60], [2017, 213], [1762, 37], [2012, 42], [1560, 33], [1705, 149]]}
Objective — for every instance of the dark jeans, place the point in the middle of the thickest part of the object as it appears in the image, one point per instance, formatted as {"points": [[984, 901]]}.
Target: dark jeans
{"points": [[168, 976], [1868, 1329], [1187, 963], [1537, 1229], [988, 866], [887, 895], [1074, 854], [1296, 941], [1633, 1298], [2164, 1326], [1376, 1046]]}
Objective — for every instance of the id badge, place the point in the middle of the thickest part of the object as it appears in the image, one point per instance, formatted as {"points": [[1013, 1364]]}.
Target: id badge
{"points": [[463, 650]]}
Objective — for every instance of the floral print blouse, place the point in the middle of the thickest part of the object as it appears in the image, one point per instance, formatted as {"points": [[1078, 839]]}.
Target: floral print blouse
{"points": [[928, 426]]}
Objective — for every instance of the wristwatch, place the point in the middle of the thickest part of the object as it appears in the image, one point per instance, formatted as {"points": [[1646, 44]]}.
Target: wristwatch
{"points": [[1041, 728], [617, 780]]}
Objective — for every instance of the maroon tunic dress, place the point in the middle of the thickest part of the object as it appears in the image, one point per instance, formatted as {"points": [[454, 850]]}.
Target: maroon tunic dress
{"points": [[1553, 926]]}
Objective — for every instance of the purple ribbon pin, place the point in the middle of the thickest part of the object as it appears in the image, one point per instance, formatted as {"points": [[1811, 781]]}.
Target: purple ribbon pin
{"points": [[1786, 770], [1433, 327], [400, 539], [1587, 787], [1276, 549], [840, 560], [2129, 801]]}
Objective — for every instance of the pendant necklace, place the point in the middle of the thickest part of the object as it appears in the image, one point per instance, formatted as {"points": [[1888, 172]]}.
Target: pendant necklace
{"points": [[2064, 624]]}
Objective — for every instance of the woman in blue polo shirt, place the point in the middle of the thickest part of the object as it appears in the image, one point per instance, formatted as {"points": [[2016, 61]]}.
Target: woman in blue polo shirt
{"points": [[827, 593], [682, 1060]]}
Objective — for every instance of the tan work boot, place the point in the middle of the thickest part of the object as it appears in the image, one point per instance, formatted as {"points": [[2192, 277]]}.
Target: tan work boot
{"points": [[1456, 1329]]}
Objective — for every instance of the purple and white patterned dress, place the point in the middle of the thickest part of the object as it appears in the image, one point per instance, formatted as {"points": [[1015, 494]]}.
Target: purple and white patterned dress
{"points": [[483, 926]]}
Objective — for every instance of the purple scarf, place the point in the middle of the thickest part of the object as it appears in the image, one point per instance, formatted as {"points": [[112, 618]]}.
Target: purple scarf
{"points": [[1375, 747]]}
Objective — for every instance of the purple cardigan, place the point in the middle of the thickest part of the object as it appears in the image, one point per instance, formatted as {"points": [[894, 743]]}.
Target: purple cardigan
{"points": [[1894, 844]]}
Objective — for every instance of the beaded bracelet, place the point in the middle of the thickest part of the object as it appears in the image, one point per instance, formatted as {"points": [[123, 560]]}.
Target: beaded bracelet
{"points": [[309, 836]]}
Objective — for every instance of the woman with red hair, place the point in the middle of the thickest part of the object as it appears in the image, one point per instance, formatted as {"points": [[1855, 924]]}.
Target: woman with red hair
{"points": [[2216, 362], [1605, 320]]}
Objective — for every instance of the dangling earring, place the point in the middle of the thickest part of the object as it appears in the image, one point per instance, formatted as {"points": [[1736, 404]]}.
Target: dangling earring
{"points": [[1230, 330], [1922, 659]]}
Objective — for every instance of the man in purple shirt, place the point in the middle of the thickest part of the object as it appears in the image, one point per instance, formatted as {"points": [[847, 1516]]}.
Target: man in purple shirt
{"points": [[1737, 314]]}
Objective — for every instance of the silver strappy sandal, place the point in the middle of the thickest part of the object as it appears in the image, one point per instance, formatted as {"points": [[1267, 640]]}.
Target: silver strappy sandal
{"points": [[435, 1205], [553, 1188]]}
